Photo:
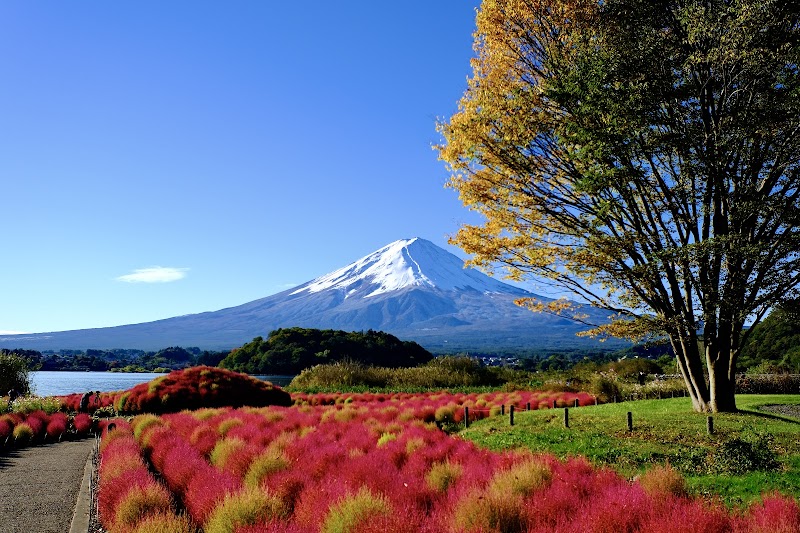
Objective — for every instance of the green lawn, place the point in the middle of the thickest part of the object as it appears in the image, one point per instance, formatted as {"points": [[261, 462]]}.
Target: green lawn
{"points": [[667, 431]]}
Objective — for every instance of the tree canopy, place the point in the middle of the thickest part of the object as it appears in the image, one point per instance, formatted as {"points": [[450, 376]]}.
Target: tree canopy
{"points": [[643, 156], [14, 373], [290, 350], [774, 345]]}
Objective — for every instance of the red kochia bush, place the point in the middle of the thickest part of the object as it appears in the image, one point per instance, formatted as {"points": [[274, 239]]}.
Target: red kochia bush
{"points": [[57, 425], [6, 427], [82, 423], [198, 387]]}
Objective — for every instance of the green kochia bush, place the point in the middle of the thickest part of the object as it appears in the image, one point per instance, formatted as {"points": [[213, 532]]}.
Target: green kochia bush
{"points": [[739, 456], [198, 387], [442, 372]]}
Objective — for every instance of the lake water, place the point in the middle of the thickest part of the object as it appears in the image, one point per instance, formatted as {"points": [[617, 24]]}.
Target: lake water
{"points": [[49, 383]]}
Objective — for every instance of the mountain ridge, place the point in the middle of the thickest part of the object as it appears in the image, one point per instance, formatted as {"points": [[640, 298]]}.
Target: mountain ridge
{"points": [[410, 288]]}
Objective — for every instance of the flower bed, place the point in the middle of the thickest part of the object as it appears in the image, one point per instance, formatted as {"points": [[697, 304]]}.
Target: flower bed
{"points": [[372, 463], [20, 429]]}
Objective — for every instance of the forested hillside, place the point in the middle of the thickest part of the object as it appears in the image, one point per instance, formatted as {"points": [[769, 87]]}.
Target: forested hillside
{"points": [[290, 350]]}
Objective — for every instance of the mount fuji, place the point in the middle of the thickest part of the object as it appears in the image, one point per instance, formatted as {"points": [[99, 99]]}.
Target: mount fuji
{"points": [[410, 288]]}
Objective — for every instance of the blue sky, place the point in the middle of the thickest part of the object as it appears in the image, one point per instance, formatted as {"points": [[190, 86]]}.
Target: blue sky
{"points": [[166, 158]]}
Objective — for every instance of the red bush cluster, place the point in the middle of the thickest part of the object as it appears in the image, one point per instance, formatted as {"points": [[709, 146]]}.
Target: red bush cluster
{"points": [[373, 466], [198, 387], [449, 407], [38, 426], [72, 402], [129, 494]]}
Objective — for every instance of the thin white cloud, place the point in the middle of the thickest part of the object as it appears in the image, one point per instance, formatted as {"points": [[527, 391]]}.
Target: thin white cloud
{"points": [[12, 332], [155, 274]]}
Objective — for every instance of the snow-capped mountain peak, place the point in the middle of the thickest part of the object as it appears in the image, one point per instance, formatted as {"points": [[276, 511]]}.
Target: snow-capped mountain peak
{"points": [[401, 264]]}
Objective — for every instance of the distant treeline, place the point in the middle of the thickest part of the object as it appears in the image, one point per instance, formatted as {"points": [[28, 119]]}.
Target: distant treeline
{"points": [[774, 347], [120, 360], [291, 350]]}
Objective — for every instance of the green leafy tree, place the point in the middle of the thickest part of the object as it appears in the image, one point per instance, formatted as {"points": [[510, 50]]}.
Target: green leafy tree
{"points": [[290, 350], [644, 156], [14, 373], [774, 344]]}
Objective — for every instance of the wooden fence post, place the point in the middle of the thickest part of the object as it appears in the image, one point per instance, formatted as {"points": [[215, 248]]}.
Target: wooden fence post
{"points": [[511, 415], [566, 418], [503, 409], [630, 421], [576, 403], [710, 425], [466, 417], [528, 406]]}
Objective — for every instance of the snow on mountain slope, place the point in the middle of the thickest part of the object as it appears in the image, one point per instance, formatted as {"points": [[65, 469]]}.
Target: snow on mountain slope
{"points": [[410, 288], [402, 264]]}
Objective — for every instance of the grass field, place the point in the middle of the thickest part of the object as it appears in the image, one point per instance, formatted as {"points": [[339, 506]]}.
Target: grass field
{"points": [[749, 453]]}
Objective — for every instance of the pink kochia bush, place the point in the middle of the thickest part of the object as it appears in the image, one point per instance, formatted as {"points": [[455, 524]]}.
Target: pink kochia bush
{"points": [[39, 427], [83, 423], [72, 402], [198, 387], [129, 495], [449, 407], [377, 466], [57, 425]]}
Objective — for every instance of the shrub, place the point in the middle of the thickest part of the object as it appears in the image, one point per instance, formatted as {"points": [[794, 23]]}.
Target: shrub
{"points": [[180, 463], [142, 423], [228, 424], [165, 523], [479, 512], [348, 513], [662, 482], [204, 438], [205, 490], [442, 475], [767, 383], [29, 404], [139, 503], [245, 509], [23, 434], [224, 450], [112, 491], [264, 465], [386, 438], [57, 425], [521, 479], [6, 428], [199, 387], [738, 456], [83, 423], [606, 386], [774, 514], [37, 424]]}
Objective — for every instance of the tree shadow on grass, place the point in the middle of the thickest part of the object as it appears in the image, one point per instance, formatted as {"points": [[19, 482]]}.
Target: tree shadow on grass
{"points": [[770, 416]]}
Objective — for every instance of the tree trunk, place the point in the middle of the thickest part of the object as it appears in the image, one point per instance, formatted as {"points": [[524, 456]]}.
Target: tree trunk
{"points": [[722, 387], [687, 353], [712, 394]]}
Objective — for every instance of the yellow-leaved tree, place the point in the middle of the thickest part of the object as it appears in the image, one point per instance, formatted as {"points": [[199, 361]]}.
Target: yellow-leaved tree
{"points": [[644, 155]]}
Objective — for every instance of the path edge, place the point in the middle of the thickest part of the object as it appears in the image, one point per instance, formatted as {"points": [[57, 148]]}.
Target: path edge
{"points": [[83, 505]]}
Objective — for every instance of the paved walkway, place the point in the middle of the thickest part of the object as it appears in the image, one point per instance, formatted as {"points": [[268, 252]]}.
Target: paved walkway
{"points": [[39, 486]]}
